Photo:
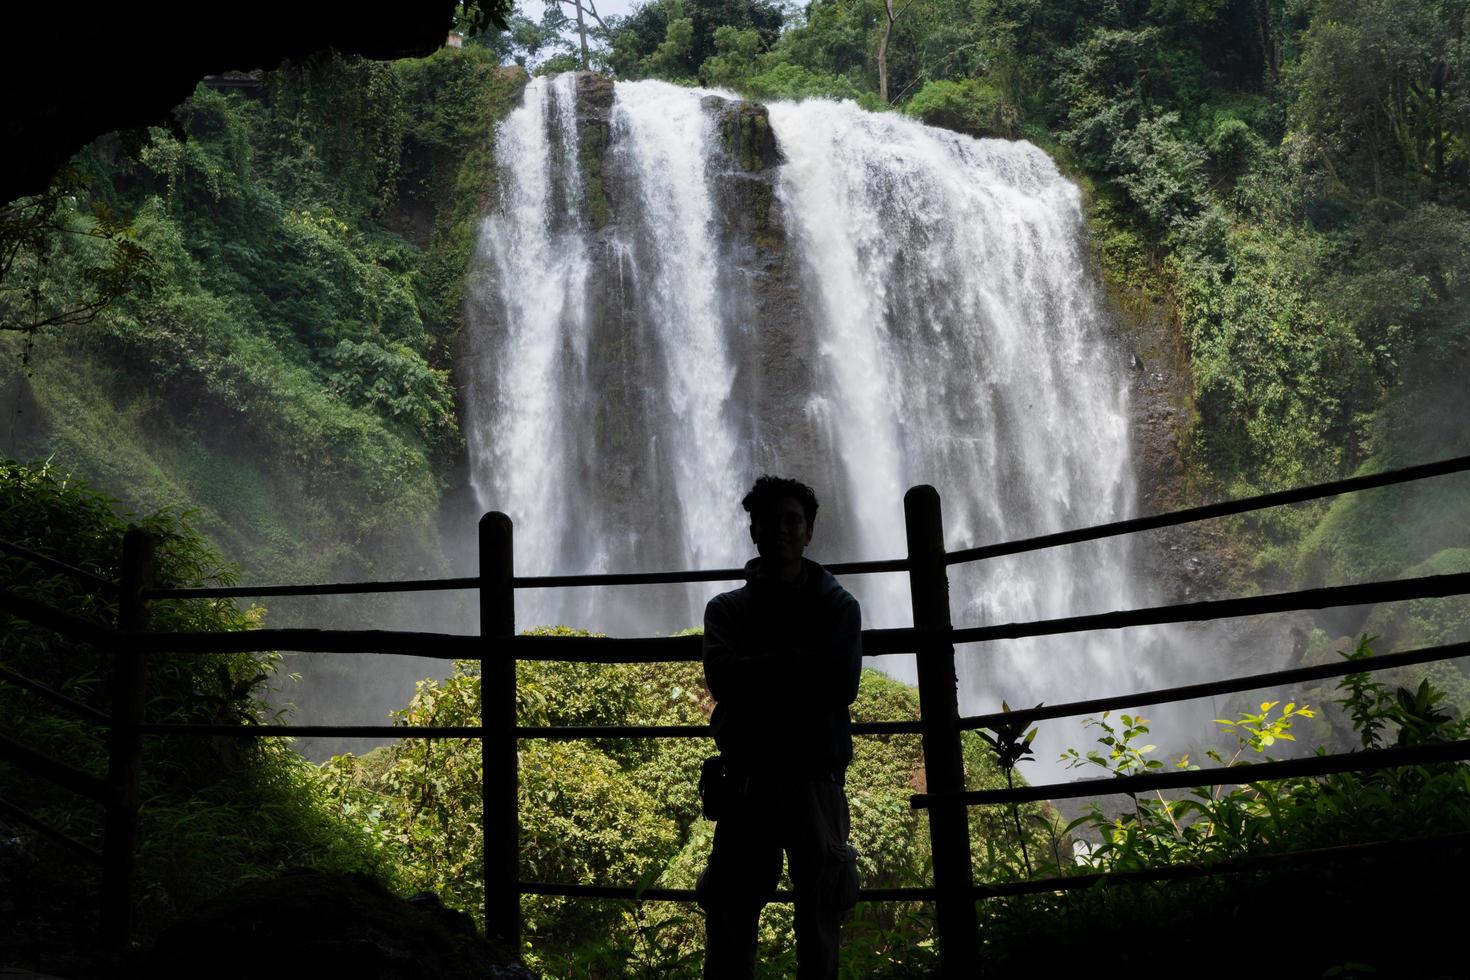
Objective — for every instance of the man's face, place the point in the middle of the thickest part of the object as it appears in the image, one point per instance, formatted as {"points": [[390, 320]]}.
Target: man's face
{"points": [[780, 531]]}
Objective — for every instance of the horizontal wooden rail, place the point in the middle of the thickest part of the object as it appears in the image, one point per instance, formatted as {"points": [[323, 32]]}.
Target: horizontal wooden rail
{"points": [[519, 582], [51, 564], [880, 566], [1174, 872], [1237, 775], [434, 646], [336, 588], [1395, 590], [568, 732], [669, 649], [458, 646], [608, 649], [66, 776], [627, 578], [1055, 884], [326, 731], [1249, 682], [704, 575], [72, 627], [624, 892], [631, 893], [1406, 474], [452, 646], [14, 813], [589, 649], [431, 646], [1188, 692], [559, 733], [1458, 464], [55, 697]]}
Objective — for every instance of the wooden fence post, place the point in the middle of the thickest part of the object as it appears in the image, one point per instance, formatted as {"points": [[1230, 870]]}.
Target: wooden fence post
{"points": [[944, 769], [501, 819], [129, 695]]}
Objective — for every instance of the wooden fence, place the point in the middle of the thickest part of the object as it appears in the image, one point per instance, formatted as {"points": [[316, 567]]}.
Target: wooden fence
{"points": [[932, 639]]}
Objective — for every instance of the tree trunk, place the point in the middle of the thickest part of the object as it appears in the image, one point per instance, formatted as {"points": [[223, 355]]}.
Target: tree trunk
{"points": [[1268, 45], [883, 51], [582, 33]]}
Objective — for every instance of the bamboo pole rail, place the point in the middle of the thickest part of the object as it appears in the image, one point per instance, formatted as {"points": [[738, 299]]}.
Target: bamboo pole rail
{"points": [[125, 759], [1368, 760], [1191, 515], [1231, 685], [667, 649], [939, 716], [500, 778]]}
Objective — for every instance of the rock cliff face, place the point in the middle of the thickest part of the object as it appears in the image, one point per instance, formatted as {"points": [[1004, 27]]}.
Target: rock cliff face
{"points": [[777, 373], [755, 278]]}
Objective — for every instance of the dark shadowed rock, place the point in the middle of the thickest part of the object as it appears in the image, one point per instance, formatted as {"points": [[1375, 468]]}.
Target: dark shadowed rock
{"points": [[306, 923]]}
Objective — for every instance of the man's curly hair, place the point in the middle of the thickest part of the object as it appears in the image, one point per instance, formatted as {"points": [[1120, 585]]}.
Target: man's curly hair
{"points": [[769, 489]]}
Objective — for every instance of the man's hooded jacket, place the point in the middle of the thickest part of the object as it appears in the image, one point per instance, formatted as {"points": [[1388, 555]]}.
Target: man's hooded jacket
{"points": [[783, 662]]}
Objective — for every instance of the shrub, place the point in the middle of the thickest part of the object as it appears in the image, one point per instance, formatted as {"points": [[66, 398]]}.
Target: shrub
{"points": [[973, 106], [196, 793]]}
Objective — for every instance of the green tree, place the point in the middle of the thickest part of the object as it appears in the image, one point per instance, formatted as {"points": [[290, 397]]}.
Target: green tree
{"points": [[671, 39], [735, 58], [65, 258], [1381, 94]]}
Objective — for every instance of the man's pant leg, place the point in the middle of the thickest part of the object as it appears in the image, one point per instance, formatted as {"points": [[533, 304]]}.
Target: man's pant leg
{"points": [[744, 867], [823, 876]]}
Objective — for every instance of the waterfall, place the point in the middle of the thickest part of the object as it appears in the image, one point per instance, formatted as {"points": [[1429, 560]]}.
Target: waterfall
{"points": [[962, 347], [916, 309], [525, 408], [599, 386]]}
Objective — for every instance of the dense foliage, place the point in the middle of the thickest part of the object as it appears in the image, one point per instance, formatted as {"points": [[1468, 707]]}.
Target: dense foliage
{"points": [[1339, 818], [272, 296], [626, 811], [196, 793]]}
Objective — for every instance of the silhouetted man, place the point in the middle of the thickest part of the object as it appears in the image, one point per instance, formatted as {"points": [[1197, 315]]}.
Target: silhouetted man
{"points": [[782, 657]]}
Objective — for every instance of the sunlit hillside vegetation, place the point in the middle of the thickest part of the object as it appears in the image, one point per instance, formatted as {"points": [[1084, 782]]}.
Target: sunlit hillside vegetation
{"points": [[278, 355]]}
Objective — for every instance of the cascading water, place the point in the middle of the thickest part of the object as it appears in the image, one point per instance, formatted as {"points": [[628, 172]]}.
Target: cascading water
{"points": [[525, 410], [962, 347], [599, 388], [933, 321]]}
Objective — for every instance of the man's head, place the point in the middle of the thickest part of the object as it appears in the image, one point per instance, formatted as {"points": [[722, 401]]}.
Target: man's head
{"points": [[782, 513]]}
